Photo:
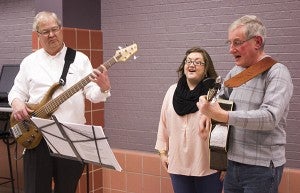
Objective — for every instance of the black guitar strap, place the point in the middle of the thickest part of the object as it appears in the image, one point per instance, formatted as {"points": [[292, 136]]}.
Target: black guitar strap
{"points": [[69, 59]]}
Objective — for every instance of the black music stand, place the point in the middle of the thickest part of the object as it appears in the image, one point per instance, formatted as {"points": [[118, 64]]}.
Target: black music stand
{"points": [[85, 143]]}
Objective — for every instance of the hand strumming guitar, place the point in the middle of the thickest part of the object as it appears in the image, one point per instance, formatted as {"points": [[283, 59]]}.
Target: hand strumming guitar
{"points": [[20, 110], [212, 110]]}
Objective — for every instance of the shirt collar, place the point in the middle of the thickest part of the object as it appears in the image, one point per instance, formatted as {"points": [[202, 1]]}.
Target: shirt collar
{"points": [[62, 51]]}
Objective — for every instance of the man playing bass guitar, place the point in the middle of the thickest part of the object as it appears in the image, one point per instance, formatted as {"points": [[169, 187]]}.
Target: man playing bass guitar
{"points": [[38, 72]]}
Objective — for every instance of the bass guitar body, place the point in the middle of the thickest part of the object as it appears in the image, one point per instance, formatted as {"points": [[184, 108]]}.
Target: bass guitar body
{"points": [[26, 132]]}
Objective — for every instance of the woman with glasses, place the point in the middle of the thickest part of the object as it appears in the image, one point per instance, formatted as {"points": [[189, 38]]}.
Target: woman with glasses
{"points": [[182, 147]]}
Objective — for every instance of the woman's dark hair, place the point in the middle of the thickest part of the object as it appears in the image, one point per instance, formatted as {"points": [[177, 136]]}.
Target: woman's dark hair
{"points": [[209, 69]]}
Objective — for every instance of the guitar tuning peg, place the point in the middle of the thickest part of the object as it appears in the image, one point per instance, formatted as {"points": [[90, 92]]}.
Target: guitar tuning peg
{"points": [[135, 57], [120, 47]]}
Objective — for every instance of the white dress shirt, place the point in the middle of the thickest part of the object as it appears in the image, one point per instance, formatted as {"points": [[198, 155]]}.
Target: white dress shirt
{"points": [[39, 71]]}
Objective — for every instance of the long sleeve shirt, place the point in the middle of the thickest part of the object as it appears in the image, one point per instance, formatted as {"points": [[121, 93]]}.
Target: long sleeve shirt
{"points": [[39, 71], [188, 153], [257, 134]]}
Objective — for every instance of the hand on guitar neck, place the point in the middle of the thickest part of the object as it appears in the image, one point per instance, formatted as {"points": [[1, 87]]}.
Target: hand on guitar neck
{"points": [[208, 107], [100, 77]]}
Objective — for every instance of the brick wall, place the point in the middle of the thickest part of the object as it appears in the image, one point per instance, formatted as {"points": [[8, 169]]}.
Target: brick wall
{"points": [[164, 30], [143, 173], [16, 25]]}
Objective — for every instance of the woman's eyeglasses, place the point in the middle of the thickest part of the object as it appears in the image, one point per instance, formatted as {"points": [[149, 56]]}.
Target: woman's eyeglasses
{"points": [[195, 62]]}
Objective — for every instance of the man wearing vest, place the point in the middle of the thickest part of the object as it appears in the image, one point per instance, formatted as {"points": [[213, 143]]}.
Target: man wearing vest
{"points": [[38, 72], [261, 89]]}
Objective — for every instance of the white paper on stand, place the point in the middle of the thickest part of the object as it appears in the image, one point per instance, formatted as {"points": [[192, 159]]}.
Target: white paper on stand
{"points": [[84, 142]]}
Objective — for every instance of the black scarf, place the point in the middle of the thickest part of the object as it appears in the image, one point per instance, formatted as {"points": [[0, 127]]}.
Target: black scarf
{"points": [[184, 99]]}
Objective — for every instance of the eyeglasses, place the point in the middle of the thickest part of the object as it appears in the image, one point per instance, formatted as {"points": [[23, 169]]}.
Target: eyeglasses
{"points": [[47, 32], [238, 43], [196, 63]]}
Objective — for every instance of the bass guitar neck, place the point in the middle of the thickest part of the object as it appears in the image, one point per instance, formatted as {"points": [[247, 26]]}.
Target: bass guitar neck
{"points": [[27, 133]]}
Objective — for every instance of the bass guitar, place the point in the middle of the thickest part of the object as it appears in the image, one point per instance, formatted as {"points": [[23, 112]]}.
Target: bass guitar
{"points": [[26, 132], [219, 132]]}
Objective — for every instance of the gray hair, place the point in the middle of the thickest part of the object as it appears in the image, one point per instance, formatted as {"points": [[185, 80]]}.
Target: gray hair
{"points": [[44, 16], [254, 27]]}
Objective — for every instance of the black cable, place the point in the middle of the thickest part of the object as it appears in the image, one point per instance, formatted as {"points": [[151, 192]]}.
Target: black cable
{"points": [[7, 136]]}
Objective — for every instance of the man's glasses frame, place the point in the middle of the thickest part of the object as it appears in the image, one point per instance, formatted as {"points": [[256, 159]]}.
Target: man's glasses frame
{"points": [[237, 43], [47, 32]]}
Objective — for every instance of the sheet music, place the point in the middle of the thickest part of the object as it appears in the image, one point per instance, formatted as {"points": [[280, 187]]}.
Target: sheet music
{"points": [[89, 141], [59, 145], [218, 136]]}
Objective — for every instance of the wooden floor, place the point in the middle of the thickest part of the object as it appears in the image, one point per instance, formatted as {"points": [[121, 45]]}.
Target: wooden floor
{"points": [[7, 189]]}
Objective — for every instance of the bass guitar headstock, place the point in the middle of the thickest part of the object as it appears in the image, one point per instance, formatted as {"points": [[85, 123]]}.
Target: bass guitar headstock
{"points": [[123, 54]]}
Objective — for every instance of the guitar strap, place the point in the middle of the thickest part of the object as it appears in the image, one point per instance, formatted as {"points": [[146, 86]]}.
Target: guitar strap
{"points": [[250, 72], [69, 59]]}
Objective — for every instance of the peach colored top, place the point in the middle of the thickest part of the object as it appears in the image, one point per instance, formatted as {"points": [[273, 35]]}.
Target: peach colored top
{"points": [[188, 153]]}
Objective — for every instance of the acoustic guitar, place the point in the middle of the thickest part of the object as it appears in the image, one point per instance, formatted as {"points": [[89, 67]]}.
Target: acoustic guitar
{"points": [[26, 132], [219, 132]]}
